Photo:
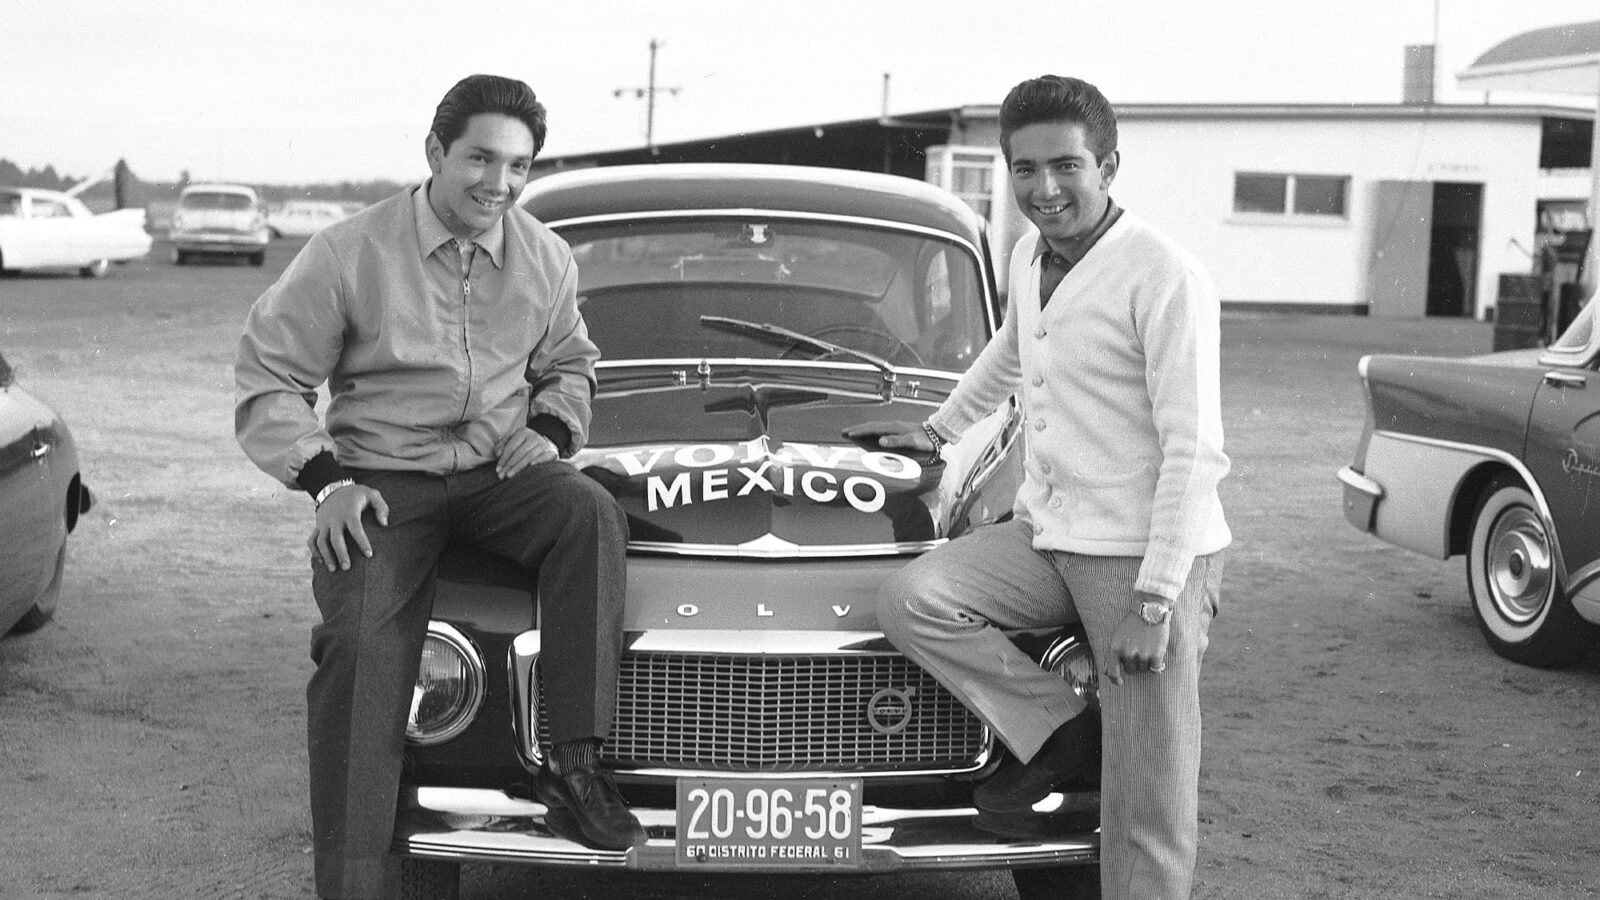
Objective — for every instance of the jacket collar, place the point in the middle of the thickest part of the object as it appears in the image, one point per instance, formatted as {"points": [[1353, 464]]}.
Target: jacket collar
{"points": [[432, 233]]}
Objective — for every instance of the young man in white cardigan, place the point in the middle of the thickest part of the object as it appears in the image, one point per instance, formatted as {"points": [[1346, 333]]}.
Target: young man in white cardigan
{"points": [[1110, 343]]}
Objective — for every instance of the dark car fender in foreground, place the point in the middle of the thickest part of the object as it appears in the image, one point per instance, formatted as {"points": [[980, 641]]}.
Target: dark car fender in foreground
{"points": [[41, 496], [1495, 457]]}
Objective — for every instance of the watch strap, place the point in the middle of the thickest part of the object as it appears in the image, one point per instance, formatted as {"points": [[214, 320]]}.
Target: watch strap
{"points": [[332, 486]]}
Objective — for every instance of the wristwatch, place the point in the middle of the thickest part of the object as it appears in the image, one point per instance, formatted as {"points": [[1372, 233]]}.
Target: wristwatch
{"points": [[1154, 613], [332, 486]]}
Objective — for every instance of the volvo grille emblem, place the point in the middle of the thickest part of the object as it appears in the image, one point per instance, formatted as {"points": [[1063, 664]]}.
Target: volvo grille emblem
{"points": [[889, 710]]}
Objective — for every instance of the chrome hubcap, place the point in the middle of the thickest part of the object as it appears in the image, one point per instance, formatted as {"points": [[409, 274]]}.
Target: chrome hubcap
{"points": [[1518, 565]]}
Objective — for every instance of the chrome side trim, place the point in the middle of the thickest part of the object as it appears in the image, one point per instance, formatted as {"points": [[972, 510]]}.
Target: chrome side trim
{"points": [[1491, 454], [1582, 577], [471, 824], [1584, 592]]}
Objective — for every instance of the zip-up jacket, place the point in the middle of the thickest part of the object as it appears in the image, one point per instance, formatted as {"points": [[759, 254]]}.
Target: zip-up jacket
{"points": [[433, 354]]}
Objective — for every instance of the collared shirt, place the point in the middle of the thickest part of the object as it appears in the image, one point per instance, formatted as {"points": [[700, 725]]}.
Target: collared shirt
{"points": [[1054, 266], [433, 356]]}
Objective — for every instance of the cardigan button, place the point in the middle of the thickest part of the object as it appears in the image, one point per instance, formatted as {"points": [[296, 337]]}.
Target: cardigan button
{"points": [[1039, 425], [1038, 332], [1038, 380]]}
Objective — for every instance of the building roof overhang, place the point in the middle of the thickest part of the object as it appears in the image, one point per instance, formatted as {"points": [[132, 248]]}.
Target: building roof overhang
{"points": [[1562, 59]]}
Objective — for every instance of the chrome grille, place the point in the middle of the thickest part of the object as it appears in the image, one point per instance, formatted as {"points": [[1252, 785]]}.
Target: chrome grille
{"points": [[781, 713]]}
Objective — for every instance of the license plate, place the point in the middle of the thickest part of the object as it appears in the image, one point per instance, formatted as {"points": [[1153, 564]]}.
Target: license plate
{"points": [[750, 823]]}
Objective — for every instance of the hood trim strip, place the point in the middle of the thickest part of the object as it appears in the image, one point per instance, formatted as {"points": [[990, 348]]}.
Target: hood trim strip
{"points": [[819, 551]]}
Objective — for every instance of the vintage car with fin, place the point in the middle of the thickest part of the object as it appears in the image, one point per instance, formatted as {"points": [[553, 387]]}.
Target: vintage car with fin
{"points": [[1494, 457], [43, 230], [745, 315]]}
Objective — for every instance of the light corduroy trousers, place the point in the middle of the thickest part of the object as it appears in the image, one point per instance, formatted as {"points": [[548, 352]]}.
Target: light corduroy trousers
{"points": [[946, 610]]}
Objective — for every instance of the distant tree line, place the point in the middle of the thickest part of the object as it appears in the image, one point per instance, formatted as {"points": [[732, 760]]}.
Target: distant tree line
{"points": [[139, 192], [15, 176]]}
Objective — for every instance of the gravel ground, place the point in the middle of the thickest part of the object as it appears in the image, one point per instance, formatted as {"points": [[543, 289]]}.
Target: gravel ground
{"points": [[1361, 741]]}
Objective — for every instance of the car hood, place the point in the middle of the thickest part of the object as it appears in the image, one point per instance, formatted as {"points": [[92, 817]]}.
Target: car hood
{"points": [[750, 462]]}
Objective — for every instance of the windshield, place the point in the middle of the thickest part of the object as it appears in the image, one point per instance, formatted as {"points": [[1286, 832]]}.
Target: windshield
{"points": [[1580, 332], [206, 200], [644, 286]]}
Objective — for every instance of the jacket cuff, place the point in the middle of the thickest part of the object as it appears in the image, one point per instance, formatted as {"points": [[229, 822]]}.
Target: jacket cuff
{"points": [[319, 472], [555, 431]]}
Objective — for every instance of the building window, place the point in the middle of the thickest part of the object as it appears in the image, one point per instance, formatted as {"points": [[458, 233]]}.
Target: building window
{"points": [[1291, 195], [972, 179]]}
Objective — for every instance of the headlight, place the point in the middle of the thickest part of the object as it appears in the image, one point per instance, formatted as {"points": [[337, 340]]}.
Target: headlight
{"points": [[1069, 656], [449, 687]]}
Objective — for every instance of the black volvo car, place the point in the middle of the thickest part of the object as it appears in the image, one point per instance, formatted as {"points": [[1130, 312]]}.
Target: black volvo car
{"points": [[745, 315]]}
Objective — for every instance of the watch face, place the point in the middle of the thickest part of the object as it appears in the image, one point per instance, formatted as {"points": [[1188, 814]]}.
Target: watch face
{"points": [[1154, 613]]}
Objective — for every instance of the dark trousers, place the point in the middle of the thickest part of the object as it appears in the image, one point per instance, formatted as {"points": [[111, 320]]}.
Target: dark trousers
{"points": [[550, 519]]}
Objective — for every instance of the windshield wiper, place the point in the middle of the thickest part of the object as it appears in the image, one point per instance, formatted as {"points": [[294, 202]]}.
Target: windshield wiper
{"points": [[778, 336]]}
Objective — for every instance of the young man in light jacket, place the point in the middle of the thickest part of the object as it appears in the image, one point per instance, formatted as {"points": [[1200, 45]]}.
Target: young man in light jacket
{"points": [[1110, 343], [445, 323]]}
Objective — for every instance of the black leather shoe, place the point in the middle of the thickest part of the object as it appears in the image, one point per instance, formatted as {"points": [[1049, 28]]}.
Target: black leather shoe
{"points": [[586, 808], [1016, 786]]}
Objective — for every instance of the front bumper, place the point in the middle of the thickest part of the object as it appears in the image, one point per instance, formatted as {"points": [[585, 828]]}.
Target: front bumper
{"points": [[219, 241], [478, 825]]}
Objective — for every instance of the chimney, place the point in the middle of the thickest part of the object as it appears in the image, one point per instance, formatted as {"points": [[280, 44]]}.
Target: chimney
{"points": [[1417, 89]]}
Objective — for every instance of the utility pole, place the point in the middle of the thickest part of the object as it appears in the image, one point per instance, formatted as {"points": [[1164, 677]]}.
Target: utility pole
{"points": [[648, 93]]}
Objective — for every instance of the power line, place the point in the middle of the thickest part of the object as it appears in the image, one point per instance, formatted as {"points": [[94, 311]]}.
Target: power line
{"points": [[648, 94]]}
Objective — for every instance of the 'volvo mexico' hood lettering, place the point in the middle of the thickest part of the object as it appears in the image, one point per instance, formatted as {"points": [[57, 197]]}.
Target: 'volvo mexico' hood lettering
{"points": [[708, 473], [759, 459]]}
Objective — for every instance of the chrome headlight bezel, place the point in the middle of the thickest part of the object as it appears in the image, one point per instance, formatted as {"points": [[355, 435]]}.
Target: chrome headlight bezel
{"points": [[1069, 656], [447, 638]]}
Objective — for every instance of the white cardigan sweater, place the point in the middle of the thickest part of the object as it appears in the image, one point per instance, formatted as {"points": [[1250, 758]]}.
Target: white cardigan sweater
{"points": [[1119, 380]]}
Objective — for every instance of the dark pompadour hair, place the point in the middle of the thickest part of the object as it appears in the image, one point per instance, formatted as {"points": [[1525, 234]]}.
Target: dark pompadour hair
{"points": [[477, 94], [1056, 98]]}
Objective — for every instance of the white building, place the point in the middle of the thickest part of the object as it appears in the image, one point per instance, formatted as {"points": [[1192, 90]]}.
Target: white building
{"points": [[1401, 210], [1389, 210]]}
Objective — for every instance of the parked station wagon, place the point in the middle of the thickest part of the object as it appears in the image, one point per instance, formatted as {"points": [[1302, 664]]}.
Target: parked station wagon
{"points": [[745, 316]]}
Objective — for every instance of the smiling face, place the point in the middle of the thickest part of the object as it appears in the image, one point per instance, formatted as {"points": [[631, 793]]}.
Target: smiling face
{"points": [[1056, 180], [481, 174]]}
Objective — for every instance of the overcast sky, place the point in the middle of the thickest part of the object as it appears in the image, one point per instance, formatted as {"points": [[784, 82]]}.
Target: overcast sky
{"points": [[289, 91]]}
